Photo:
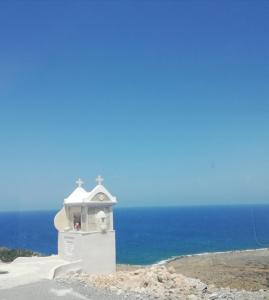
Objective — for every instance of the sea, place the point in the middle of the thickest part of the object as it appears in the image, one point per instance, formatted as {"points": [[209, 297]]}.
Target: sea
{"points": [[152, 235]]}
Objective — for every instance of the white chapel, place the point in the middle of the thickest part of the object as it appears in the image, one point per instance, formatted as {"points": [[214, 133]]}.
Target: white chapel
{"points": [[85, 229]]}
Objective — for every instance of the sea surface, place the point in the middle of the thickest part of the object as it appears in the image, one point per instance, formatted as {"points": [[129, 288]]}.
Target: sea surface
{"points": [[150, 235]]}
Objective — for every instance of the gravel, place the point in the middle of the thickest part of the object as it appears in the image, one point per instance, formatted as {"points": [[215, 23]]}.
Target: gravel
{"points": [[158, 283]]}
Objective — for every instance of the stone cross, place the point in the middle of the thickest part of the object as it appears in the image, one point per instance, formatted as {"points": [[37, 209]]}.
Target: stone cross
{"points": [[99, 179], [79, 182]]}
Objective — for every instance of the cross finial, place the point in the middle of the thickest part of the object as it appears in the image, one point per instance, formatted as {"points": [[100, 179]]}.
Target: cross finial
{"points": [[99, 180], [79, 182]]}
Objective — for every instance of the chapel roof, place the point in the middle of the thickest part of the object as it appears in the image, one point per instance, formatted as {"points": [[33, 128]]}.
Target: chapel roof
{"points": [[80, 195], [76, 196]]}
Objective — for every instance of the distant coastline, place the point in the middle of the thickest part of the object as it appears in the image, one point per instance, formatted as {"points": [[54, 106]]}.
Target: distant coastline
{"points": [[10, 254], [238, 269], [168, 260]]}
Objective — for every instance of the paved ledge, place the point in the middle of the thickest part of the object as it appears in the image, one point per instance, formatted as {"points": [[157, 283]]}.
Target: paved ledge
{"points": [[26, 270]]}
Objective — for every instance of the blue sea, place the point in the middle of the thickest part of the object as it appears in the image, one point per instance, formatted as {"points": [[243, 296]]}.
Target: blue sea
{"points": [[150, 235]]}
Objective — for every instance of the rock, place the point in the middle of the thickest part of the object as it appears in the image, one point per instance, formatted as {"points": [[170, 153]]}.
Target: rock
{"points": [[171, 270], [137, 272], [160, 277], [201, 286], [113, 289], [158, 282], [213, 296], [169, 284], [119, 292], [192, 297]]}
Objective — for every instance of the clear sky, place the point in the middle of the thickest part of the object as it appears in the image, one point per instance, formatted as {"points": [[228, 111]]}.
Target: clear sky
{"points": [[167, 100]]}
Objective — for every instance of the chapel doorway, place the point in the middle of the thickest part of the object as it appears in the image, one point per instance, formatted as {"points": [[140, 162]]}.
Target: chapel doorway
{"points": [[77, 221]]}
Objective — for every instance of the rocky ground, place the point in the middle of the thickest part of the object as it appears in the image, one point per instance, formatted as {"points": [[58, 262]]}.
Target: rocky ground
{"points": [[241, 275], [159, 282], [247, 270]]}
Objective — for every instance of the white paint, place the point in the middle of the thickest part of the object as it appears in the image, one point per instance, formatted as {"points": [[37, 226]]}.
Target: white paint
{"points": [[57, 271], [99, 179], [80, 195], [60, 221], [61, 293], [89, 235], [95, 250], [79, 182], [65, 292], [77, 196]]}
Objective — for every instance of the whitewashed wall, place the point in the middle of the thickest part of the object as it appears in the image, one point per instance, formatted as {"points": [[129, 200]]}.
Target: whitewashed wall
{"points": [[97, 251]]}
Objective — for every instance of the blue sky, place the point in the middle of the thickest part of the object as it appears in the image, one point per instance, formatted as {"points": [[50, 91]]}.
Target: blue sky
{"points": [[167, 100]]}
